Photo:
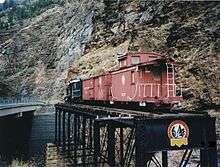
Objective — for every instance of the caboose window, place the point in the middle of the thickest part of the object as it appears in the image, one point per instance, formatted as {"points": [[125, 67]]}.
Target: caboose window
{"points": [[132, 77], [74, 85], [135, 60], [147, 70], [123, 63], [157, 73]]}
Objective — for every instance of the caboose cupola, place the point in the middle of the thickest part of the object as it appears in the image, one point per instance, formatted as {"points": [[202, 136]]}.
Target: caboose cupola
{"points": [[122, 59], [131, 59]]}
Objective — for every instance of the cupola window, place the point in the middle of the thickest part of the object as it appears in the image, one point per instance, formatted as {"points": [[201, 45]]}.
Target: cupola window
{"points": [[135, 60]]}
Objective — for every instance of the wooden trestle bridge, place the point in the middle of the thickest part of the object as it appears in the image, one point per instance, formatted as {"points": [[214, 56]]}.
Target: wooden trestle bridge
{"points": [[99, 136]]}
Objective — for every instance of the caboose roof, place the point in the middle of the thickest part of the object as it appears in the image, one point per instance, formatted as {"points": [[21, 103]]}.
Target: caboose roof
{"points": [[157, 58], [152, 53], [122, 56], [157, 61], [74, 81]]}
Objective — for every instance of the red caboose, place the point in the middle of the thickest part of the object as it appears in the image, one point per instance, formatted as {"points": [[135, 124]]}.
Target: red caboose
{"points": [[145, 78]]}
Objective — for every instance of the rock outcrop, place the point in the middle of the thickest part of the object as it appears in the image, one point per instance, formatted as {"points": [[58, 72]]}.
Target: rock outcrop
{"points": [[82, 39], [36, 59]]}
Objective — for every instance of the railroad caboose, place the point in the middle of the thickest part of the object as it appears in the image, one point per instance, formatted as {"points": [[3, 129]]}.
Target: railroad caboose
{"points": [[146, 78], [142, 78]]}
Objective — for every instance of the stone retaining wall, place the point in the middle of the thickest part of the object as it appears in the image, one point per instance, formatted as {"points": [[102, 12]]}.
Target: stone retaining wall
{"points": [[56, 158]]}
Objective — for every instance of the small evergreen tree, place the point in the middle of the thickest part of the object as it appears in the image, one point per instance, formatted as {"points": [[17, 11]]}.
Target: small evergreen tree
{"points": [[18, 13]]}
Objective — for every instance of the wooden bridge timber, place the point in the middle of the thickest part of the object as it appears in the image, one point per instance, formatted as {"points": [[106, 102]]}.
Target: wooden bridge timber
{"points": [[99, 136]]}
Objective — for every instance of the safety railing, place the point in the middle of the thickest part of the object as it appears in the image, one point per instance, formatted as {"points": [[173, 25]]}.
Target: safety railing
{"points": [[20, 99], [152, 90]]}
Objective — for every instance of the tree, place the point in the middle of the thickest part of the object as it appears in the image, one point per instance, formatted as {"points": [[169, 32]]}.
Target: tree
{"points": [[8, 3]]}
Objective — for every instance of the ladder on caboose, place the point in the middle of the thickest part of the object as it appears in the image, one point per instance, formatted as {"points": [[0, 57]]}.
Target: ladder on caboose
{"points": [[170, 80]]}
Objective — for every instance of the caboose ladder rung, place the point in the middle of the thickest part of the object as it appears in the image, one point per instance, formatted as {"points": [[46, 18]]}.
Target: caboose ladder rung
{"points": [[170, 80]]}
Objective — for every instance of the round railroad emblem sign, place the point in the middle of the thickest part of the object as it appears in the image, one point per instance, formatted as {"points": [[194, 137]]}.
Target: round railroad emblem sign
{"points": [[178, 133]]}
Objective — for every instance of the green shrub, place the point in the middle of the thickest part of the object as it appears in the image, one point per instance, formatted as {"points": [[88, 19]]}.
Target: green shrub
{"points": [[17, 163], [17, 13]]}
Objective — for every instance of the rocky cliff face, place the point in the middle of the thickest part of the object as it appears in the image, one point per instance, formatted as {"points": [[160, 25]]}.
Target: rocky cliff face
{"points": [[36, 59], [83, 39]]}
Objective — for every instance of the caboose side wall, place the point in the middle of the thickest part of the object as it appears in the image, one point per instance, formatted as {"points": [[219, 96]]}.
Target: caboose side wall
{"points": [[149, 85], [153, 86], [133, 85], [141, 85], [124, 87]]}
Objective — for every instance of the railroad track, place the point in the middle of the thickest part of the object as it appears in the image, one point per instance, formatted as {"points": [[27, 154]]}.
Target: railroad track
{"points": [[121, 112]]}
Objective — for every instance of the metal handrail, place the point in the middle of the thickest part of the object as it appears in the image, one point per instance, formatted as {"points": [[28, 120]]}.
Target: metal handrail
{"points": [[151, 85], [21, 99]]}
